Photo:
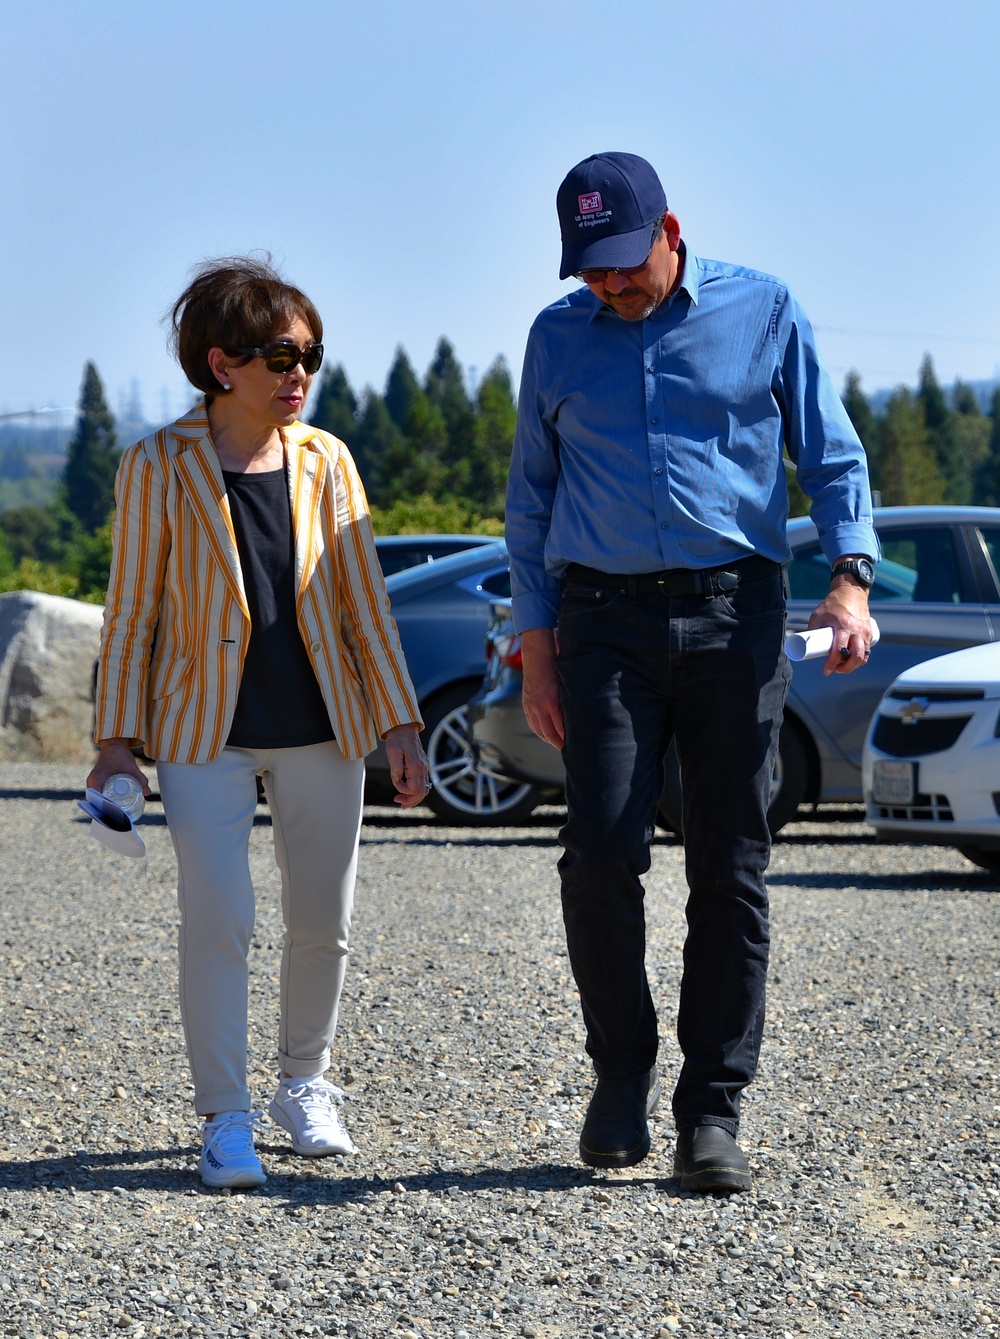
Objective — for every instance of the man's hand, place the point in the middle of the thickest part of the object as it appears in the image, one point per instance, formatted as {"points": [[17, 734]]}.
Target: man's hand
{"points": [[115, 756], [408, 765], [540, 690], [845, 610]]}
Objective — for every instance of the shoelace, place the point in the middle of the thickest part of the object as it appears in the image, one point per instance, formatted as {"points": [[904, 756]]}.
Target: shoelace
{"points": [[234, 1134], [317, 1096]]}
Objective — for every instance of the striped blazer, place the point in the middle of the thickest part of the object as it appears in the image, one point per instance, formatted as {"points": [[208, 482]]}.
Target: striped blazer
{"points": [[176, 622]]}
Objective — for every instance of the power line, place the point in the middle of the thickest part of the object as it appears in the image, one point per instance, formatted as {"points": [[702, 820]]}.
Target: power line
{"points": [[31, 413], [907, 334]]}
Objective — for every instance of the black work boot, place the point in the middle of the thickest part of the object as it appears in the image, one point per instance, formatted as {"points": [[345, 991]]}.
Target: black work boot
{"points": [[709, 1160], [615, 1132]]}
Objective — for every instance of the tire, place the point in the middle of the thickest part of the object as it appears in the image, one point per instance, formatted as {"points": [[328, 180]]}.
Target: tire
{"points": [[791, 778], [788, 788], [463, 793], [988, 860]]}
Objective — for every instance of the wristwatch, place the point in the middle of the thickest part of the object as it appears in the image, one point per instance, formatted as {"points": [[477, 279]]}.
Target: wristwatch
{"points": [[860, 568]]}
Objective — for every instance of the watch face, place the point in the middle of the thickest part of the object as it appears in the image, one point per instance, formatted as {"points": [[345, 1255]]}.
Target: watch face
{"points": [[865, 571]]}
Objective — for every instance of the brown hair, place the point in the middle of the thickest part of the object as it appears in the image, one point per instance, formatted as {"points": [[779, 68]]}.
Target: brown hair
{"points": [[233, 302]]}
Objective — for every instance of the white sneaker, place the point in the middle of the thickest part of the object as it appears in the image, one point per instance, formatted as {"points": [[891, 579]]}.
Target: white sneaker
{"points": [[308, 1110], [228, 1158]]}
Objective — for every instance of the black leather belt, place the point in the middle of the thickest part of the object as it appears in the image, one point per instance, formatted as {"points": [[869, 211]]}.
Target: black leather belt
{"points": [[679, 580]]}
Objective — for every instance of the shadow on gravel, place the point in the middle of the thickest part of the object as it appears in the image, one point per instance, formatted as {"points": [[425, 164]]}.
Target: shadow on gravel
{"points": [[149, 820], [383, 827], [467, 837], [128, 1170], [382, 816], [944, 881], [322, 1184], [490, 837], [34, 793]]}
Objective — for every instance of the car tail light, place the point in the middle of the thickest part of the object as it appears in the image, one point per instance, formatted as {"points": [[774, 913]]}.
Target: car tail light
{"points": [[509, 651]]}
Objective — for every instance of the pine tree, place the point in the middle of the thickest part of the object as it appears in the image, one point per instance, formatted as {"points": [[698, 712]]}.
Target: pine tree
{"points": [[92, 457], [335, 406], [991, 470], [496, 420], [6, 557], [859, 411], [939, 422], [400, 388], [908, 470], [375, 445], [444, 387], [422, 465], [964, 398], [971, 428]]}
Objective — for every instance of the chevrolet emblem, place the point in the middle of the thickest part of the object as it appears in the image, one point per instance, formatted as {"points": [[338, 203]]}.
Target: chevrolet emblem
{"points": [[913, 710]]}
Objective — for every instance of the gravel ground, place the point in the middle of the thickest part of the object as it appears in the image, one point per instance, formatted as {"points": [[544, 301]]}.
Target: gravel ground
{"points": [[872, 1129]]}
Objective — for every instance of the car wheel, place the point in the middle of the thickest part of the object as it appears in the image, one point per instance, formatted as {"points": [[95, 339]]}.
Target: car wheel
{"points": [[788, 785], [791, 777], [989, 860], [462, 792]]}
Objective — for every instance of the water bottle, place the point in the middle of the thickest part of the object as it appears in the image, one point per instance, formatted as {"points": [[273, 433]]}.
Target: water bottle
{"points": [[125, 791]]}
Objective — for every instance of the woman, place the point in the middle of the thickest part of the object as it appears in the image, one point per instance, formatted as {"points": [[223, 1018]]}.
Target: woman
{"points": [[247, 633]]}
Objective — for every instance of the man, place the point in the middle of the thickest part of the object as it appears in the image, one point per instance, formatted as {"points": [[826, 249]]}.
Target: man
{"points": [[646, 523]]}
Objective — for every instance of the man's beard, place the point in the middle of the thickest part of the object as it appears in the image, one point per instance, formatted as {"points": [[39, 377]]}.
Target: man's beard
{"points": [[639, 314]]}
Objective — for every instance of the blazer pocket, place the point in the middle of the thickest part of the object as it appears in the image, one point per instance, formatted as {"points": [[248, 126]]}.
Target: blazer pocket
{"points": [[169, 678]]}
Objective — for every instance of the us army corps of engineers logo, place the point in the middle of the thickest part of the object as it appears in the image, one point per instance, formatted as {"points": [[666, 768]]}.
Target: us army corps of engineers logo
{"points": [[592, 212]]}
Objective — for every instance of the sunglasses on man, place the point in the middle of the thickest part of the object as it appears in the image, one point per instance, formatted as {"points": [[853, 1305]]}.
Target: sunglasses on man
{"points": [[599, 276], [281, 355]]}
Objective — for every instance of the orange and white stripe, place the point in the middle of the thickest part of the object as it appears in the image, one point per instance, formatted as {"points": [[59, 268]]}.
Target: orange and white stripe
{"points": [[176, 623]]}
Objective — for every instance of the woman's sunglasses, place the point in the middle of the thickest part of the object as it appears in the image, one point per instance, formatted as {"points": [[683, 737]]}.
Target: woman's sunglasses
{"points": [[281, 355]]}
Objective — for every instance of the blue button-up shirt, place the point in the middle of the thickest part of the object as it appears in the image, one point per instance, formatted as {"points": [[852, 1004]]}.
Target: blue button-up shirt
{"points": [[644, 445]]}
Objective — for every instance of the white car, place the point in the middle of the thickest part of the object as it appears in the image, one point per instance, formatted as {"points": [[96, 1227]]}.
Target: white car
{"points": [[931, 761]]}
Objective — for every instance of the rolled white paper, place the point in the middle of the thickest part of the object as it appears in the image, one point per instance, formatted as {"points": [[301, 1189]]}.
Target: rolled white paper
{"points": [[816, 642]]}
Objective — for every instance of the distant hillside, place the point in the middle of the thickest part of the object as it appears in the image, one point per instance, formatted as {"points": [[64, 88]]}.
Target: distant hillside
{"points": [[983, 390], [31, 460]]}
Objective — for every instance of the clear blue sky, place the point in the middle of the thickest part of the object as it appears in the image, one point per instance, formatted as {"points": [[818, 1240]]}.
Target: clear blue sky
{"points": [[400, 158]]}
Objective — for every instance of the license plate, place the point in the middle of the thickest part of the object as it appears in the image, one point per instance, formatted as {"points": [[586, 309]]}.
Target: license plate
{"points": [[894, 783]]}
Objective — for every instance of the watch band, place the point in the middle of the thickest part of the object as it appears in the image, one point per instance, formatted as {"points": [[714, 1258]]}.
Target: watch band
{"points": [[860, 568]]}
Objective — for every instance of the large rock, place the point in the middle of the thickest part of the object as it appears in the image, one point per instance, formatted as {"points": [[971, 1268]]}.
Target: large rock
{"points": [[48, 646]]}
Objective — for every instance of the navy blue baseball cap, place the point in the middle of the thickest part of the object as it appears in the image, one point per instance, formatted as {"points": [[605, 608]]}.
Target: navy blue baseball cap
{"points": [[607, 206]]}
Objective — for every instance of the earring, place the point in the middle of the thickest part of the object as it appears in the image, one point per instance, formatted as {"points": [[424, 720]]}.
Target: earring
{"points": [[226, 386]]}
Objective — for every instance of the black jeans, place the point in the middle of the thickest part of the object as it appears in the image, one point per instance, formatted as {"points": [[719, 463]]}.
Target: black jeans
{"points": [[635, 670]]}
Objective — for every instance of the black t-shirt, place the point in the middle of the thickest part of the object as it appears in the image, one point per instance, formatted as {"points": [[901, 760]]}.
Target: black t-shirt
{"points": [[280, 704]]}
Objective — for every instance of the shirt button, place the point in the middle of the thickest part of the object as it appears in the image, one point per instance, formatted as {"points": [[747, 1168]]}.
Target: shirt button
{"points": [[654, 420], [316, 647], [657, 473], [651, 368], [664, 525]]}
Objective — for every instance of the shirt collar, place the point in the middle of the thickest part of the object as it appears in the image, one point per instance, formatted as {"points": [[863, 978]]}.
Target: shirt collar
{"points": [[690, 280], [691, 277]]}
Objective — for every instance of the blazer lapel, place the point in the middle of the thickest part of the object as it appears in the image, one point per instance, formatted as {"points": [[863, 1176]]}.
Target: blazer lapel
{"points": [[200, 476], [307, 475]]}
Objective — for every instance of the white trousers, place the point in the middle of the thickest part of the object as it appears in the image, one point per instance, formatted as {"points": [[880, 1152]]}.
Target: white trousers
{"points": [[315, 797]]}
